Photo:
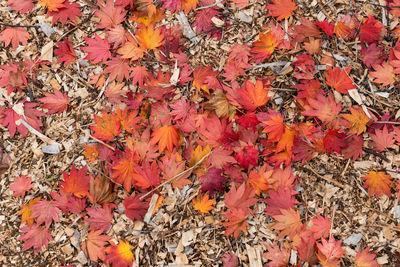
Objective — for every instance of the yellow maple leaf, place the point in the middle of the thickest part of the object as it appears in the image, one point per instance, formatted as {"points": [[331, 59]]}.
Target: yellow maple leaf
{"points": [[378, 183], [150, 38], [358, 120], [203, 203], [52, 5], [26, 211], [197, 154], [166, 137]]}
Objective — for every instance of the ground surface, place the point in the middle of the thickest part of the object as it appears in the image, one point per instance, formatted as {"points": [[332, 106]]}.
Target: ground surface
{"points": [[177, 233]]}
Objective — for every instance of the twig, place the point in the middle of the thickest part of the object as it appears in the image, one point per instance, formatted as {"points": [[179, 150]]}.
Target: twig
{"points": [[387, 122], [98, 140], [379, 155], [325, 178], [19, 26], [177, 176], [212, 5]]}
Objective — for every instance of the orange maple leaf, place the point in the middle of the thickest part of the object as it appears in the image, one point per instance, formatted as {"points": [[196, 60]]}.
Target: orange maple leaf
{"points": [[119, 255], [150, 38], [383, 74], [26, 211], [91, 153], [366, 259], [166, 137], [259, 180], [236, 222], [265, 46], [288, 222], [15, 36], [107, 126], [378, 183], [131, 49], [273, 125], [124, 169], [77, 182], [187, 5], [52, 5], [286, 141], [339, 79], [282, 9], [358, 120], [203, 203], [95, 245], [199, 78], [253, 95]]}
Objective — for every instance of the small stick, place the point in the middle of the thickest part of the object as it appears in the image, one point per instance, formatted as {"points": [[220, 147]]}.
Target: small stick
{"points": [[325, 178], [379, 155], [19, 26]]}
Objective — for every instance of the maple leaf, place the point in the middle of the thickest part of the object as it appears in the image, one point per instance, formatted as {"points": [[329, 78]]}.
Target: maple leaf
{"points": [[286, 141], [329, 252], [203, 203], [203, 22], [45, 212], [13, 77], [110, 15], [220, 157], [98, 49], [235, 223], [305, 29], [26, 211], [357, 119], [378, 183], [282, 9], [339, 79], [135, 208], [106, 127], [119, 255], [321, 227], [354, 148], [29, 114], [139, 75], [282, 199], [20, 185], [118, 69], [149, 38], [65, 51], [166, 137], [383, 139], [55, 103], [173, 5], [278, 256], [384, 73], [327, 27], [94, 245], [371, 55], [371, 30], [35, 237], [123, 170], [70, 12], [131, 49], [241, 3], [247, 156], [265, 46], [77, 182], [91, 153], [147, 175], [230, 260], [187, 5], [259, 180], [288, 222], [240, 198], [22, 6], [100, 190], [14, 36], [251, 95], [366, 259], [199, 78], [52, 5], [334, 141], [197, 154], [212, 180], [100, 218], [324, 108]]}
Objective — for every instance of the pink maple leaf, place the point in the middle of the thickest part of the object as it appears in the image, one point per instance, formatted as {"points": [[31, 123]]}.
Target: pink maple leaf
{"points": [[21, 185]]}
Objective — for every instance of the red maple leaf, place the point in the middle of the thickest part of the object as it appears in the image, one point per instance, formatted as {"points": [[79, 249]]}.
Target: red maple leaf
{"points": [[354, 148], [247, 156], [324, 108], [329, 252], [14, 36], [371, 30], [339, 79], [383, 139], [334, 141], [278, 256], [118, 69], [366, 259], [372, 55], [283, 199], [13, 77], [321, 227], [252, 96], [94, 245], [55, 103], [135, 208], [230, 259], [22, 6], [273, 124], [326, 27], [31, 117], [123, 170], [282, 9], [147, 175], [220, 157], [35, 237], [77, 182], [110, 15], [139, 74], [45, 212], [212, 180], [65, 51], [70, 12], [100, 218], [172, 5], [203, 22], [240, 198], [98, 49], [20, 185], [236, 222]]}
